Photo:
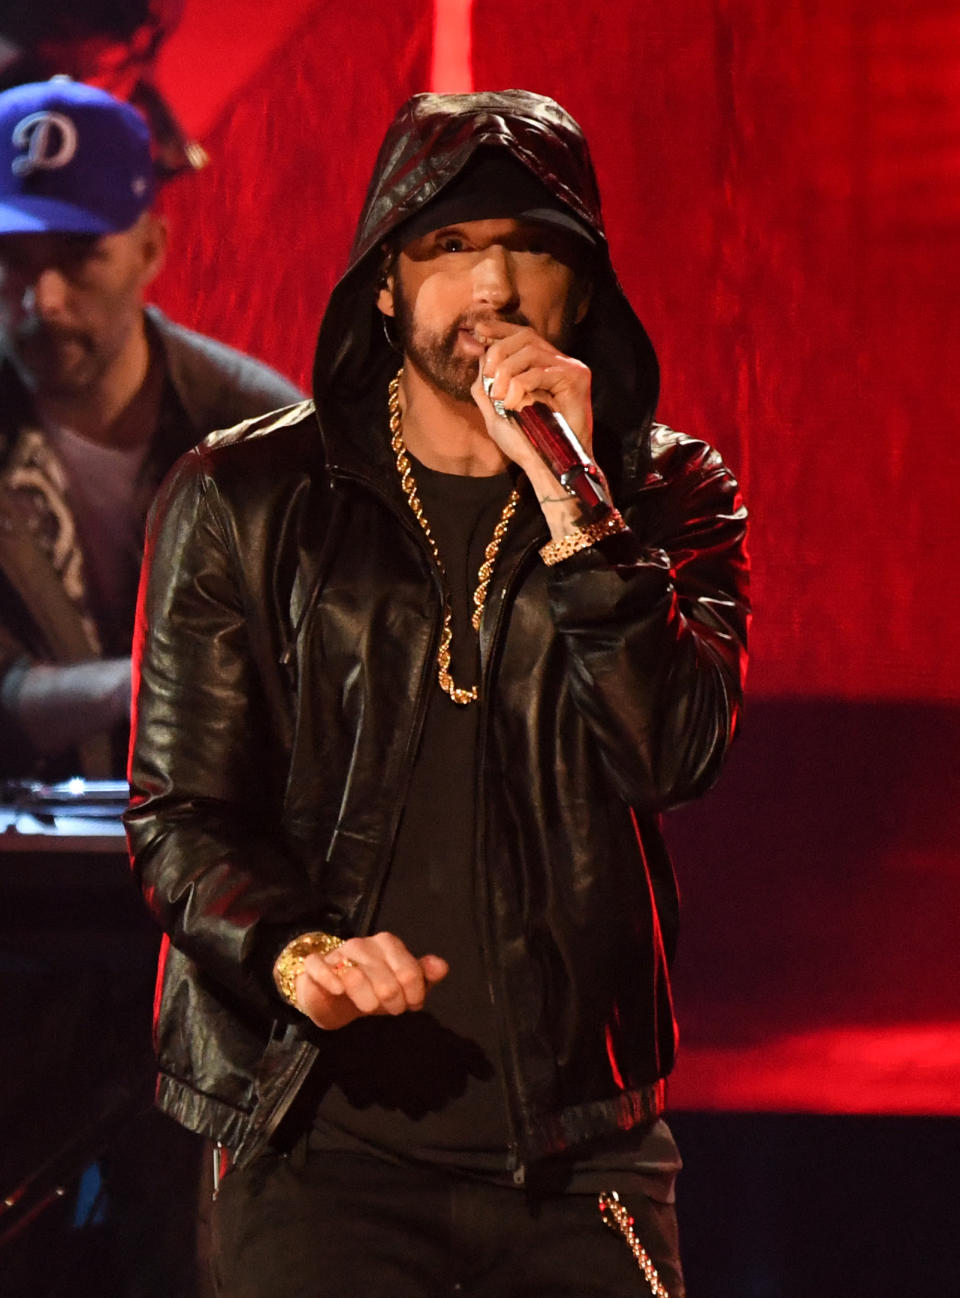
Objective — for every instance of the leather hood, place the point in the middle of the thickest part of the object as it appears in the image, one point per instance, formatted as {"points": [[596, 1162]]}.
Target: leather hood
{"points": [[427, 146]]}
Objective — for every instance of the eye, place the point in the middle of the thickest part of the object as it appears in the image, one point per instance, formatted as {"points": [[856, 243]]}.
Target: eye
{"points": [[76, 250], [11, 259], [452, 243], [535, 243]]}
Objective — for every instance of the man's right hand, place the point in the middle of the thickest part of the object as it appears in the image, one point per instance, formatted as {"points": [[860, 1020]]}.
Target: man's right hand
{"points": [[365, 976]]}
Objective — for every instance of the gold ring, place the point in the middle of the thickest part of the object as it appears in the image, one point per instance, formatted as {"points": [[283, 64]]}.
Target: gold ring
{"points": [[345, 963]]}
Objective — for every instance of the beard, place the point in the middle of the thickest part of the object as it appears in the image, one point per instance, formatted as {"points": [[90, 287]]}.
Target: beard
{"points": [[433, 351], [55, 362]]}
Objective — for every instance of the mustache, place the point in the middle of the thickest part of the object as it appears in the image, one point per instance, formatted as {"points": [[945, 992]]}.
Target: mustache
{"points": [[471, 319], [36, 331]]}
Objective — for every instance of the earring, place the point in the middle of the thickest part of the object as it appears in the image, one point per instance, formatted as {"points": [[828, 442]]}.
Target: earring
{"points": [[391, 341]]}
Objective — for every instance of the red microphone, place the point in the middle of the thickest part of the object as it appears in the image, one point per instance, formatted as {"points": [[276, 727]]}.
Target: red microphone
{"points": [[559, 447]]}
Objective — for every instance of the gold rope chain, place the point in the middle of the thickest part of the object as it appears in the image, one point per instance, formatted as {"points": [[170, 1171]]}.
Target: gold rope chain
{"points": [[409, 485]]}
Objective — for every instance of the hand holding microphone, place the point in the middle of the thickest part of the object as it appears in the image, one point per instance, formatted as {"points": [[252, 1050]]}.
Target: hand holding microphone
{"points": [[533, 364], [559, 447]]}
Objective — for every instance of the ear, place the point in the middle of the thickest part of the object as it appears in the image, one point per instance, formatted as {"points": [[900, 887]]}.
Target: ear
{"points": [[584, 304], [385, 296], [153, 246], [386, 279]]}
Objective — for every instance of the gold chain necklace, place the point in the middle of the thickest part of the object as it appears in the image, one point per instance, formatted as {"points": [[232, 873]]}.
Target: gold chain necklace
{"points": [[409, 485]]}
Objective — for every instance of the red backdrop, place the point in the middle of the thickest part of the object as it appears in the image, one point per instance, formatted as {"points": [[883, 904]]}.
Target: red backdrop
{"points": [[782, 188]]}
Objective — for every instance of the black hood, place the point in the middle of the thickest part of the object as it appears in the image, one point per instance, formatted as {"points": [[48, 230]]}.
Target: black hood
{"points": [[431, 140]]}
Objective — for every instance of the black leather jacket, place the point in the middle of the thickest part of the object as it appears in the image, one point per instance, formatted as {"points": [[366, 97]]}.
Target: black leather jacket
{"points": [[288, 632]]}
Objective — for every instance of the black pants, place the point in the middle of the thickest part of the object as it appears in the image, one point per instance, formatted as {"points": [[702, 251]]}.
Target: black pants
{"points": [[344, 1223]]}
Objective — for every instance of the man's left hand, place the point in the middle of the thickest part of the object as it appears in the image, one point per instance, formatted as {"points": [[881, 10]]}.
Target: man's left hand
{"points": [[365, 976]]}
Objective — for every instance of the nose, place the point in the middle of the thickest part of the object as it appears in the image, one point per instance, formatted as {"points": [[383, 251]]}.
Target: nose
{"points": [[45, 295], [494, 283]]}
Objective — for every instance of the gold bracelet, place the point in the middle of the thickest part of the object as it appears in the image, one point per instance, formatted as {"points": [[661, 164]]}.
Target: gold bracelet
{"points": [[581, 537], [289, 963]]}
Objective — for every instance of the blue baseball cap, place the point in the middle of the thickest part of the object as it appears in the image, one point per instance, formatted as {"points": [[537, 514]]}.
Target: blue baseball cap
{"points": [[73, 160]]}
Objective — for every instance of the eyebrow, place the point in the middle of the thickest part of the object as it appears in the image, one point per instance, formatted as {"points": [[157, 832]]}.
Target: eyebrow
{"points": [[523, 230]]}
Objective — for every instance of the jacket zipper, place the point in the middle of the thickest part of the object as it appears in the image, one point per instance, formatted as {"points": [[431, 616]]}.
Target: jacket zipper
{"points": [[515, 1164], [413, 739], [298, 1075]]}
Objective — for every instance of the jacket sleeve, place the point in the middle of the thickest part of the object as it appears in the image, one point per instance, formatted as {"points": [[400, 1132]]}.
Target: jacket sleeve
{"points": [[14, 744], [655, 624], [202, 827]]}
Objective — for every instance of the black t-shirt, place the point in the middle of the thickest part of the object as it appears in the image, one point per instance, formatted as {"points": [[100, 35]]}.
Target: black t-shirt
{"points": [[429, 1086]]}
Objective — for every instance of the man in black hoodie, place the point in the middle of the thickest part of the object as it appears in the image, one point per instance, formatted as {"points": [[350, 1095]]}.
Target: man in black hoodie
{"points": [[407, 720]]}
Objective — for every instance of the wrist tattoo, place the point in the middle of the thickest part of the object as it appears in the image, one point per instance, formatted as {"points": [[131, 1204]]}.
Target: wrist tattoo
{"points": [[553, 500]]}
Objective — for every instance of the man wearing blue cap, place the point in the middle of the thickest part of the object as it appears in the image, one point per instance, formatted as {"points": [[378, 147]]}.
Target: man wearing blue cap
{"points": [[98, 397]]}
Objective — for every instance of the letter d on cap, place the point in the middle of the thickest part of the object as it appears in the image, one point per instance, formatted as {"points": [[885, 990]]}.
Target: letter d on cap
{"points": [[50, 140]]}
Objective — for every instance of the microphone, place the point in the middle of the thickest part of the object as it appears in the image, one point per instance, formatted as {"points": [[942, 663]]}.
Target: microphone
{"points": [[559, 447]]}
